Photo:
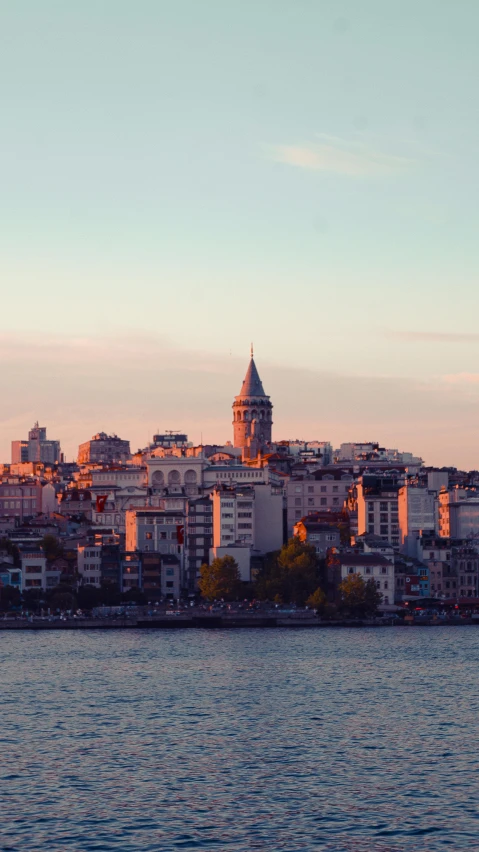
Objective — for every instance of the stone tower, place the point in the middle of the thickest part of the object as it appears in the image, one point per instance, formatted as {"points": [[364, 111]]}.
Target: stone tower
{"points": [[252, 411]]}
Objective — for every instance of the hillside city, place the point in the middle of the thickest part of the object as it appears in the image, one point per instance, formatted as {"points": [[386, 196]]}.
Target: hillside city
{"points": [[140, 525]]}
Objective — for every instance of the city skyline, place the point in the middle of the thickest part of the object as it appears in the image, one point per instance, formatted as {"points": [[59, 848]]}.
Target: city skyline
{"points": [[188, 177], [170, 385]]}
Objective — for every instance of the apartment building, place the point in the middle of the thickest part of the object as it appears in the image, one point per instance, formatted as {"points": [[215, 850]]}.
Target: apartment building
{"points": [[377, 503]]}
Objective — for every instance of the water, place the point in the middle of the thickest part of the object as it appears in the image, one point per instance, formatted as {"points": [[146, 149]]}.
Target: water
{"points": [[354, 740]]}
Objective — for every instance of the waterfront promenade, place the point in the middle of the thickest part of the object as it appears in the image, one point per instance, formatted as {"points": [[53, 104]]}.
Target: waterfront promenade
{"points": [[209, 621]]}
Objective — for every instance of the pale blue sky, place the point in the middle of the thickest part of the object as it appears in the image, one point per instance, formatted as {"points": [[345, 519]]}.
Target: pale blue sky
{"points": [[300, 173]]}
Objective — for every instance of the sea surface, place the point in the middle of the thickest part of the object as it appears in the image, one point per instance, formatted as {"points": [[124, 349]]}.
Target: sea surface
{"points": [[357, 740]]}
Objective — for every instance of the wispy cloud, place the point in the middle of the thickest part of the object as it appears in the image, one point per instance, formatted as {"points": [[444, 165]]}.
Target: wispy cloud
{"points": [[332, 154], [462, 378], [434, 336]]}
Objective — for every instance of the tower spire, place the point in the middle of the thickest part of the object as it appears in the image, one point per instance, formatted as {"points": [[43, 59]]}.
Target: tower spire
{"points": [[251, 351]]}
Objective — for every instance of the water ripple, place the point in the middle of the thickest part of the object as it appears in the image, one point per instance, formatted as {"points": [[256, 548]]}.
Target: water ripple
{"points": [[342, 741]]}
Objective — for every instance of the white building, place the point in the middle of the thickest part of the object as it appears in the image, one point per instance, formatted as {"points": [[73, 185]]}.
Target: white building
{"points": [[458, 513], [416, 512], [34, 569], [89, 564], [377, 500], [370, 566]]}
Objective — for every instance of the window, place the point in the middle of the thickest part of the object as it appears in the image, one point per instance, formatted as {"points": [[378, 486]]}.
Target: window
{"points": [[227, 515], [323, 489], [169, 584], [383, 507], [370, 507], [149, 536], [383, 518], [335, 489], [384, 570], [335, 501], [310, 489], [350, 570], [378, 584], [323, 501], [383, 530], [169, 572], [385, 584], [310, 501], [367, 571], [371, 519], [298, 489], [297, 501]]}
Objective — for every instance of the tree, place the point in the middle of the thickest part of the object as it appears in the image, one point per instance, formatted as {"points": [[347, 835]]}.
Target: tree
{"points": [[9, 597], [11, 549], [221, 579], [89, 597], [134, 595], [359, 598], [51, 547], [293, 573], [317, 600], [32, 599]]}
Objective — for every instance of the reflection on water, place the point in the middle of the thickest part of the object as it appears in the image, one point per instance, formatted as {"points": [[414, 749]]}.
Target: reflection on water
{"points": [[351, 740]]}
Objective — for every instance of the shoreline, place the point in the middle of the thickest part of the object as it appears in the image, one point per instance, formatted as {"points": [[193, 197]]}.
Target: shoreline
{"points": [[217, 623]]}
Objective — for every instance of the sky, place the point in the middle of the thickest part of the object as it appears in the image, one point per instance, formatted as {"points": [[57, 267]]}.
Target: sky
{"points": [[179, 179]]}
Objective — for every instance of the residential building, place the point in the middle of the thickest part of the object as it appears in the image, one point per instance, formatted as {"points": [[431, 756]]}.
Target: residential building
{"points": [[170, 576], [377, 502], [199, 538], [321, 536], [33, 568], [131, 571], [416, 513], [37, 448], [459, 513], [104, 449], [151, 575], [20, 499], [326, 489], [370, 566], [89, 563]]}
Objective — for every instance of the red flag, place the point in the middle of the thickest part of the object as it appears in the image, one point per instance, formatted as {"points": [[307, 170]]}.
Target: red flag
{"points": [[180, 533], [100, 502]]}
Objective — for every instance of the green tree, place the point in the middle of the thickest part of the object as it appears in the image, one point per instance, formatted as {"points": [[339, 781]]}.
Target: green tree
{"points": [[293, 573], [134, 595], [9, 597], [52, 547], [32, 599], [9, 547], [221, 579], [358, 598], [62, 599], [317, 600], [89, 597]]}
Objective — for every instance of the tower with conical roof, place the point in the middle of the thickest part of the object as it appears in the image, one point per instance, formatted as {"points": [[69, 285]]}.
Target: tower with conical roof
{"points": [[252, 411]]}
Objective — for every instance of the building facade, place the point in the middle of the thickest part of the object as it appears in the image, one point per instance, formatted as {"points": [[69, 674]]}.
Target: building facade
{"points": [[104, 449]]}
